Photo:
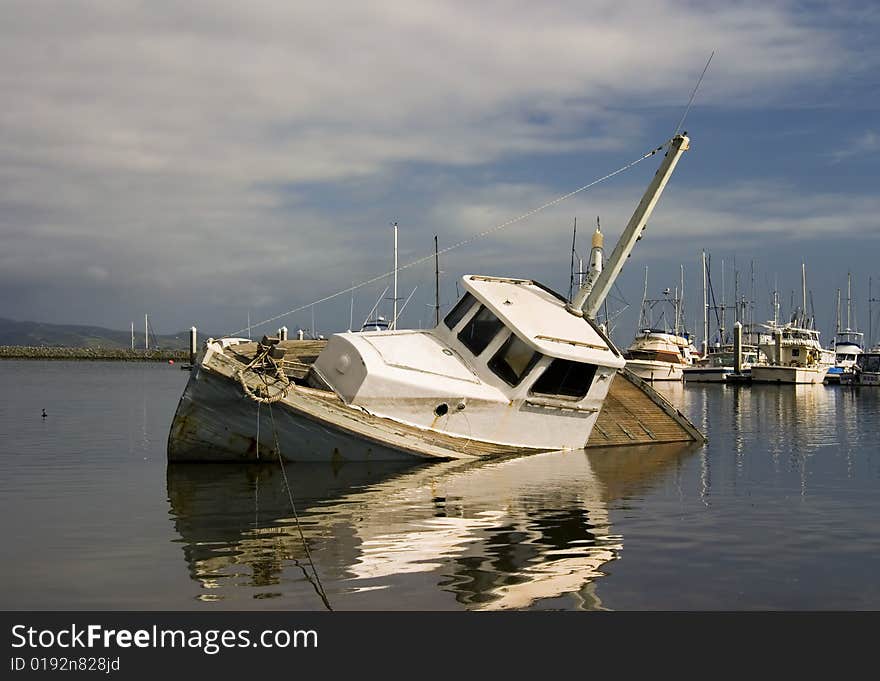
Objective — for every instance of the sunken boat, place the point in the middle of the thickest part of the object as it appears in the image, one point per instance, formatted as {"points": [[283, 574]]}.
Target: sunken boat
{"points": [[513, 369]]}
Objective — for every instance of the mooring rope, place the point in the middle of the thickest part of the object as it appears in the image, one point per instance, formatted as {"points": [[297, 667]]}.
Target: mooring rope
{"points": [[459, 244], [316, 583]]}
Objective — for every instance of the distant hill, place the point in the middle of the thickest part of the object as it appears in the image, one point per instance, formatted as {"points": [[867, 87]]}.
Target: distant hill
{"points": [[39, 334]]}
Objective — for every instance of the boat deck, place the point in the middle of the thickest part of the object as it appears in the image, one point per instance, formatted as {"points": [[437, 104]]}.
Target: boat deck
{"points": [[632, 414]]}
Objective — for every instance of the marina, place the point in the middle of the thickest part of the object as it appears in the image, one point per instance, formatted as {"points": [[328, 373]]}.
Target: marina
{"points": [[782, 496], [434, 307]]}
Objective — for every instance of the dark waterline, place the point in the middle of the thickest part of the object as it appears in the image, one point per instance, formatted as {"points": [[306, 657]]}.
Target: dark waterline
{"points": [[778, 511]]}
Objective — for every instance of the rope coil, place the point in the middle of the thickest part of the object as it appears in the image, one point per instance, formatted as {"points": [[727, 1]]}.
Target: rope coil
{"points": [[265, 367]]}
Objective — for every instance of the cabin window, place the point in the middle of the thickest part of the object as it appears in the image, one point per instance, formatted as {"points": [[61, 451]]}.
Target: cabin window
{"points": [[795, 352], [871, 363], [459, 311], [565, 378], [480, 330], [514, 360]]}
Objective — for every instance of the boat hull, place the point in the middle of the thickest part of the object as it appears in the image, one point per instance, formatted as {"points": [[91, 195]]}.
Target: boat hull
{"points": [[216, 422], [864, 378], [649, 370], [707, 374], [783, 374]]}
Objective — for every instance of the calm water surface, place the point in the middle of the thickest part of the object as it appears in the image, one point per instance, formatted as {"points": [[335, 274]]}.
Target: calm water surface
{"points": [[779, 511]]}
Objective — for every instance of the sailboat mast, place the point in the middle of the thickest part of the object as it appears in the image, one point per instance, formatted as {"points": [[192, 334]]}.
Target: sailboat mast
{"points": [[837, 326], [804, 291], [394, 316], [132, 335], [705, 310], [775, 301], [681, 303], [722, 327], [436, 284], [642, 319], [848, 299], [146, 332], [573, 259]]}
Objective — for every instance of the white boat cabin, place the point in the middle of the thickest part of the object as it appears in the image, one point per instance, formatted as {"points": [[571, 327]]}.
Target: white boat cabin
{"points": [[796, 347], [508, 364]]}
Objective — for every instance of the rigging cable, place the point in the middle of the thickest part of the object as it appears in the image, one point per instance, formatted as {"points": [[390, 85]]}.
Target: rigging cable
{"points": [[461, 243]]}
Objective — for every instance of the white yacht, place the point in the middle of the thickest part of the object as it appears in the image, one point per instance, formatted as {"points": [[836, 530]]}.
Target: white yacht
{"points": [[661, 354], [658, 355], [848, 343]]}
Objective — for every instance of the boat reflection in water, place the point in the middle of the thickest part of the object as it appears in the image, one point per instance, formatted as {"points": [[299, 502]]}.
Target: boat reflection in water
{"points": [[517, 533]]}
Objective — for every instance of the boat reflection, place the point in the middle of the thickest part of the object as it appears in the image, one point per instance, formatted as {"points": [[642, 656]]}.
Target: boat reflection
{"points": [[509, 534]]}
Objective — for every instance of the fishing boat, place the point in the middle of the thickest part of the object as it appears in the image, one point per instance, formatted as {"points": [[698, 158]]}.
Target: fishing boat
{"points": [[848, 343], [866, 370], [660, 354], [795, 353], [514, 368]]}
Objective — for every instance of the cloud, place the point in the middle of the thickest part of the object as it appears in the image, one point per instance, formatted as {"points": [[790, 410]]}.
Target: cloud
{"points": [[246, 155], [866, 143]]}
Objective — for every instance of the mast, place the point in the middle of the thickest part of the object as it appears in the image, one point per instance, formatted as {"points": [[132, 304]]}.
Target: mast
{"points": [[590, 297], [436, 284], [351, 309], [751, 299], [705, 311], [146, 332], [132, 335], [573, 258], [394, 316], [642, 318], [804, 292], [837, 326], [848, 299], [721, 329], [775, 302], [681, 304]]}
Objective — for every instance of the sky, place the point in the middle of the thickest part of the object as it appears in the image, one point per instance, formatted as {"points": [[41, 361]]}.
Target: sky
{"points": [[210, 162]]}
